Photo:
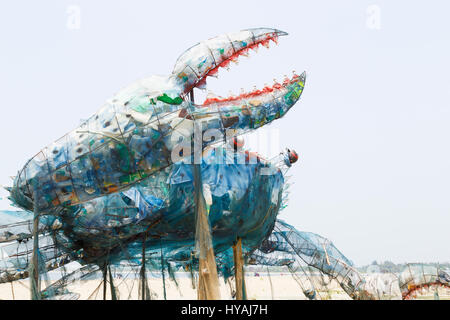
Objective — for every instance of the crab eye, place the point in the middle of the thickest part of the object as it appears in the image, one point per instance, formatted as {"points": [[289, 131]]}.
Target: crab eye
{"points": [[293, 156]]}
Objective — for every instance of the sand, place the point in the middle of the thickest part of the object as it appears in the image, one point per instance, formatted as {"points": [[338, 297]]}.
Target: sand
{"points": [[258, 288]]}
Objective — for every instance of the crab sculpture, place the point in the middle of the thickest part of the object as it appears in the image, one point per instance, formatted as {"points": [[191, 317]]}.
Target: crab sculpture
{"points": [[120, 186]]}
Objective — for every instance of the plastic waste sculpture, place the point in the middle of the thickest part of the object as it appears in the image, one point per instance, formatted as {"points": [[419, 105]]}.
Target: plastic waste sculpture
{"points": [[121, 187], [416, 278]]}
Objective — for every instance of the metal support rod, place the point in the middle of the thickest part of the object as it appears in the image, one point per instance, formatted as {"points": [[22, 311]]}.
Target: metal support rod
{"points": [[162, 270], [105, 274], [191, 270], [34, 277], [270, 281], [143, 271], [111, 284], [12, 291]]}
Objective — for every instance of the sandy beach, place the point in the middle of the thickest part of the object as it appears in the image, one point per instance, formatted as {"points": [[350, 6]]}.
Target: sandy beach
{"points": [[277, 286]]}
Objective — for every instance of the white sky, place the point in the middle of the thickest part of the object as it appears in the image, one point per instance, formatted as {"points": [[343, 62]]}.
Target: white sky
{"points": [[372, 127]]}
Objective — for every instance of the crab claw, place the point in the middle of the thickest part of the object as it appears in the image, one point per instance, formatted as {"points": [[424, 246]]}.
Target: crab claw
{"points": [[249, 111], [204, 58]]}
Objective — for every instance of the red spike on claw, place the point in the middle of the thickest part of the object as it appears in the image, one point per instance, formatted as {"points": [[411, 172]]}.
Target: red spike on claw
{"points": [[266, 43], [254, 47], [275, 39], [214, 72], [225, 63]]}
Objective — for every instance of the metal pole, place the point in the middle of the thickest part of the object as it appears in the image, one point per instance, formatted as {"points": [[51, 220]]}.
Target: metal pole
{"points": [[111, 285], [270, 281], [12, 290], [143, 271], [162, 270], [34, 277], [105, 273]]}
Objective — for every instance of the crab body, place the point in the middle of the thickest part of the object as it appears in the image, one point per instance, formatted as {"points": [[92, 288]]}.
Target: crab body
{"points": [[124, 175]]}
